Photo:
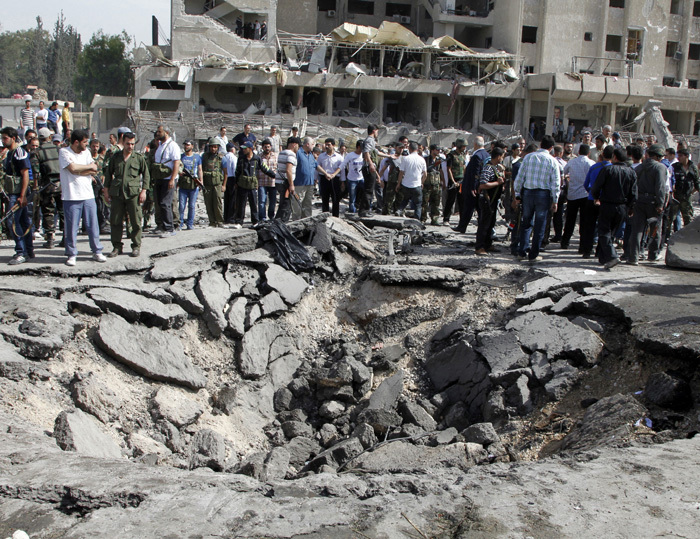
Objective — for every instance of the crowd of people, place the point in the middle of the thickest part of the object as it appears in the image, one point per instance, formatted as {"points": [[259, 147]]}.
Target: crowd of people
{"points": [[630, 198]]}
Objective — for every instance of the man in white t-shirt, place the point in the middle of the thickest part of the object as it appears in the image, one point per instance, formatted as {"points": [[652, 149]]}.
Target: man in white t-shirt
{"points": [[413, 173], [77, 171], [168, 156], [351, 172], [42, 116]]}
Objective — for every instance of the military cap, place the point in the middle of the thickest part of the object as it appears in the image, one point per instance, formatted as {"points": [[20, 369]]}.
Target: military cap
{"points": [[45, 133], [460, 142], [123, 131], [213, 141], [57, 138]]}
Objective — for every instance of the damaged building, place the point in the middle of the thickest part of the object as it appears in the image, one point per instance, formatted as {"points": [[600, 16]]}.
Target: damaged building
{"points": [[531, 66]]}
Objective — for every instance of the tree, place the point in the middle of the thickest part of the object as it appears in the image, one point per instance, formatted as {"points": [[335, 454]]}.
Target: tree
{"points": [[62, 59], [103, 67], [38, 53]]}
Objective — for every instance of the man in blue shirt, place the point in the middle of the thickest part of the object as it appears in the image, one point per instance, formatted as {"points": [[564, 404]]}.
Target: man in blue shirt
{"points": [[18, 171], [246, 136], [304, 181], [470, 182], [189, 184]]}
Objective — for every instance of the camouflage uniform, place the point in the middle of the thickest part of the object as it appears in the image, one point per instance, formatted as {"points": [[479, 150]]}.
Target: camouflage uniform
{"points": [[46, 159], [213, 178], [432, 192], [102, 207], [392, 199], [686, 183]]}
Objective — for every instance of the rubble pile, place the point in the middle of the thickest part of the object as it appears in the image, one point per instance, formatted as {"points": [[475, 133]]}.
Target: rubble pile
{"points": [[329, 349]]}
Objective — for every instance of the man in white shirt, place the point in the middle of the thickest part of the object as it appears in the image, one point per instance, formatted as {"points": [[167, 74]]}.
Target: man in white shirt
{"points": [[77, 171], [576, 194], [352, 173], [329, 164], [413, 173], [223, 140], [275, 140], [42, 116], [167, 157]]}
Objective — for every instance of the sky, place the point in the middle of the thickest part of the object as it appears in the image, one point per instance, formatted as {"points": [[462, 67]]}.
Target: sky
{"points": [[111, 16]]}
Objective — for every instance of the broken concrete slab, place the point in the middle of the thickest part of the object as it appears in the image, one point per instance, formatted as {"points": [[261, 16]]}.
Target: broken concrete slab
{"points": [[12, 365], [404, 457], [137, 308], [321, 239], [242, 280], [518, 395], [255, 349], [345, 234], [184, 294], [683, 250], [387, 393], [301, 450], [291, 287], [77, 431], [381, 420], [154, 353], [51, 286], [95, 397], [501, 350], [417, 276], [208, 449], [417, 415], [81, 303], [392, 222], [542, 304], [481, 433], [272, 303], [566, 302], [610, 421], [38, 326], [214, 293], [256, 257], [174, 406], [564, 377], [556, 336], [458, 363], [186, 264], [540, 366], [236, 316]]}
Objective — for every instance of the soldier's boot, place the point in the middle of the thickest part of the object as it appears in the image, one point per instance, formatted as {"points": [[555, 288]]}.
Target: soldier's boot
{"points": [[49, 242]]}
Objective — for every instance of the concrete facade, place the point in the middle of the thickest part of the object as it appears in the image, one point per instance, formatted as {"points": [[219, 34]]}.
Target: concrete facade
{"points": [[581, 62]]}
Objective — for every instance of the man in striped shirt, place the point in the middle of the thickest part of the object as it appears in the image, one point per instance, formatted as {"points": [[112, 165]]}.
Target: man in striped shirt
{"points": [[27, 117], [537, 188]]}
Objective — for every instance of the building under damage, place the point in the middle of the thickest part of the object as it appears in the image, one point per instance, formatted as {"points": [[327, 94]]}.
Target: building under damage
{"points": [[532, 66]]}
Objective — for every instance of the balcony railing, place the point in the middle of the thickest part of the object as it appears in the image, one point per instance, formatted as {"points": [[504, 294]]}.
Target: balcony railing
{"points": [[595, 65]]}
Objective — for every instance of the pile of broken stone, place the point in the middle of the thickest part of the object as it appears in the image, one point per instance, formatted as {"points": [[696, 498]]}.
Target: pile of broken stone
{"points": [[328, 418]]}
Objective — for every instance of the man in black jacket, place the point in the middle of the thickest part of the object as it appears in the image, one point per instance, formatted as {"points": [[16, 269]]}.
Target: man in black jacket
{"points": [[615, 191], [247, 183], [652, 185]]}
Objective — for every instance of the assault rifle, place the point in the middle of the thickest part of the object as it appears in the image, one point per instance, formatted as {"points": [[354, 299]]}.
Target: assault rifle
{"points": [[187, 174]]}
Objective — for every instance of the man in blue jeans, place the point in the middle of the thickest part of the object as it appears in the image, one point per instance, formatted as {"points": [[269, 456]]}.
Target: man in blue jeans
{"points": [[537, 189], [18, 172], [189, 184], [77, 171]]}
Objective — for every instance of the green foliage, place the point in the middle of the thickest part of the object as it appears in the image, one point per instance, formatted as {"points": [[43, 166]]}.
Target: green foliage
{"points": [[103, 67], [62, 59], [58, 62]]}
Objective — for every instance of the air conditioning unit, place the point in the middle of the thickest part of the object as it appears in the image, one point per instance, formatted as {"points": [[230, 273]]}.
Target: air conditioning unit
{"points": [[406, 20], [396, 17], [330, 13], [678, 55]]}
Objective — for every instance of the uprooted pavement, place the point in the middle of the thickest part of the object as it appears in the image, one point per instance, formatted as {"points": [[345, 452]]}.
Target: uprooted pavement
{"points": [[394, 369]]}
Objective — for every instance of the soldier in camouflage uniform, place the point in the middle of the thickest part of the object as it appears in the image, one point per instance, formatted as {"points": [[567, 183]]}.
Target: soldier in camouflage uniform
{"points": [[687, 182], [48, 180], [456, 161], [97, 184], [391, 198], [213, 181], [432, 192]]}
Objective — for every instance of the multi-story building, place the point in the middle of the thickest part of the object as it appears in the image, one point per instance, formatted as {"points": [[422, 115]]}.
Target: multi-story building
{"points": [[576, 62]]}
